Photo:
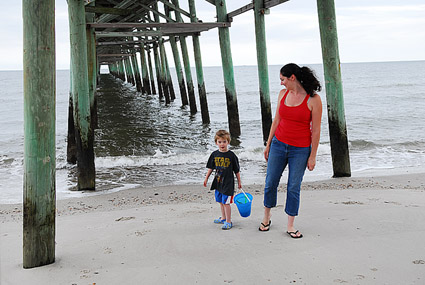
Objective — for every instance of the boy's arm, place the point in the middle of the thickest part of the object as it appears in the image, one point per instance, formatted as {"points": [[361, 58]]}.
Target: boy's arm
{"points": [[238, 176], [207, 176]]}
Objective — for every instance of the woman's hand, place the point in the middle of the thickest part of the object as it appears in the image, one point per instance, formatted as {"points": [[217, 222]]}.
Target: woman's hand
{"points": [[311, 163], [266, 153]]}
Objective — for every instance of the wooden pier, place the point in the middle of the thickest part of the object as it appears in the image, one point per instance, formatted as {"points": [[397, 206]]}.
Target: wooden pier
{"points": [[129, 36]]}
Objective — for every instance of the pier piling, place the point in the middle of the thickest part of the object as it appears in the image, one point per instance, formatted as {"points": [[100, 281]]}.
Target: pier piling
{"points": [[334, 95], [84, 134], [39, 193], [227, 64], [198, 63], [145, 74], [151, 76], [263, 68]]}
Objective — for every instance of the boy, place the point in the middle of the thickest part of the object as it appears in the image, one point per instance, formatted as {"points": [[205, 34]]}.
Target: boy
{"points": [[224, 162]]}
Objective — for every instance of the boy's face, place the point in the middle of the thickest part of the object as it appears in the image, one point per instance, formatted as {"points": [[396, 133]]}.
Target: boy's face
{"points": [[222, 144]]}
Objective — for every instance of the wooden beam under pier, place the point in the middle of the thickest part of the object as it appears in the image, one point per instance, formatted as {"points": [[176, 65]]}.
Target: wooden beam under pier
{"points": [[108, 10], [175, 8], [267, 4], [125, 42], [171, 25], [116, 55]]}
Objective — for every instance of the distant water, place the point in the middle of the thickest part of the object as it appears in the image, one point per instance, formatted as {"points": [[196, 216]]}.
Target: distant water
{"points": [[142, 142]]}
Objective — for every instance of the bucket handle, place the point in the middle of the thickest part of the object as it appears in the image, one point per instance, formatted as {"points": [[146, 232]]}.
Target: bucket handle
{"points": [[245, 195]]}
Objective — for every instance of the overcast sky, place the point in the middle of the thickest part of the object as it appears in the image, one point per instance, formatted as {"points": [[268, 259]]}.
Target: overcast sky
{"points": [[368, 31]]}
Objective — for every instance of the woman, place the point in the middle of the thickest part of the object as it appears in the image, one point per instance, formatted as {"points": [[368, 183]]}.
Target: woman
{"points": [[293, 140]]}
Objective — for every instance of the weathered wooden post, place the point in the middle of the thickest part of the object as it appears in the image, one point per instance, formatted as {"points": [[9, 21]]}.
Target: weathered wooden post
{"points": [[186, 63], [92, 69], [227, 64], [151, 76], [179, 71], [126, 74], [84, 134], [263, 67], [121, 70], [39, 203], [71, 148], [198, 63], [129, 71], [145, 74], [161, 61], [177, 64], [130, 68], [333, 82], [158, 71], [116, 69], [136, 69], [163, 66], [113, 69], [168, 75]]}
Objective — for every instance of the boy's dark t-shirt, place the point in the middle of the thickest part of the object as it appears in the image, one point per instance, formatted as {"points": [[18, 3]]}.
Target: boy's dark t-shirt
{"points": [[224, 163]]}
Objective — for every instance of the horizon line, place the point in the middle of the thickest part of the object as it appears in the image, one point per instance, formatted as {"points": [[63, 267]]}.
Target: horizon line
{"points": [[244, 65]]}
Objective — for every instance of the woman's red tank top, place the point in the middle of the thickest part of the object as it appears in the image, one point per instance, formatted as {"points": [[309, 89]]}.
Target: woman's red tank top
{"points": [[295, 123]]}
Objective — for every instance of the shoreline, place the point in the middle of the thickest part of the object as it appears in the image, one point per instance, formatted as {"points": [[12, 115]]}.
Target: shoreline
{"points": [[171, 194], [360, 230]]}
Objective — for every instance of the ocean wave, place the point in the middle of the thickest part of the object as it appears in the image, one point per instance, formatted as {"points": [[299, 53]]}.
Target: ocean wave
{"points": [[413, 146], [171, 158]]}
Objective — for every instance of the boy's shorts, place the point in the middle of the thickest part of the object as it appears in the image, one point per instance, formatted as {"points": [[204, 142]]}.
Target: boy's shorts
{"points": [[224, 199]]}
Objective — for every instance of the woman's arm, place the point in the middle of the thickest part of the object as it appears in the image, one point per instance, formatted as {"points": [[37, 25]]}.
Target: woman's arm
{"points": [[274, 125], [316, 120]]}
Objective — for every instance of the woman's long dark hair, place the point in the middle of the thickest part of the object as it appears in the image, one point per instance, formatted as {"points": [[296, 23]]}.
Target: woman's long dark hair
{"points": [[304, 75]]}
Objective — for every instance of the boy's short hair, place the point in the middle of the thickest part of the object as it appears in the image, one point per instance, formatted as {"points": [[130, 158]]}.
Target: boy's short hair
{"points": [[222, 134]]}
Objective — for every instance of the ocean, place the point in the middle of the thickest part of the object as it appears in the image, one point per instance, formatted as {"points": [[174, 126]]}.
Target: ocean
{"points": [[141, 142]]}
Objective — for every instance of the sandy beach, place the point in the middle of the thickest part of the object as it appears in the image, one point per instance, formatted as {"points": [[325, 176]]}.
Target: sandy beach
{"points": [[360, 230]]}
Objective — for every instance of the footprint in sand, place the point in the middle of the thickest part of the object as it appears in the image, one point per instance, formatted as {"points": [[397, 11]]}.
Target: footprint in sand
{"points": [[107, 250]]}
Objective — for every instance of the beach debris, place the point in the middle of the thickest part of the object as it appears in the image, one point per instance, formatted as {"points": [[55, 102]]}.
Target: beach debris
{"points": [[392, 202], [124, 219], [418, 261], [352, 203], [141, 233]]}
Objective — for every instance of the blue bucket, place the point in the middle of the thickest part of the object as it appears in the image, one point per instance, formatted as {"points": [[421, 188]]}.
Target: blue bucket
{"points": [[243, 204]]}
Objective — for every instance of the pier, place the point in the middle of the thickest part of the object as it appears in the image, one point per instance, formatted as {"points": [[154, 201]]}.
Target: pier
{"points": [[129, 37]]}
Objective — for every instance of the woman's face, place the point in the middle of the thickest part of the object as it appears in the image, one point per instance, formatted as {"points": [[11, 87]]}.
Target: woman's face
{"points": [[283, 80]]}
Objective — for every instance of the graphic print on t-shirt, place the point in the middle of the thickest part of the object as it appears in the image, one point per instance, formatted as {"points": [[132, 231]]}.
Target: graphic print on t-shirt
{"points": [[221, 163]]}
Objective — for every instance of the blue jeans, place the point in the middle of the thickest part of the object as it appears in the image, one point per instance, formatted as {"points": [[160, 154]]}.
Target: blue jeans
{"points": [[281, 155]]}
